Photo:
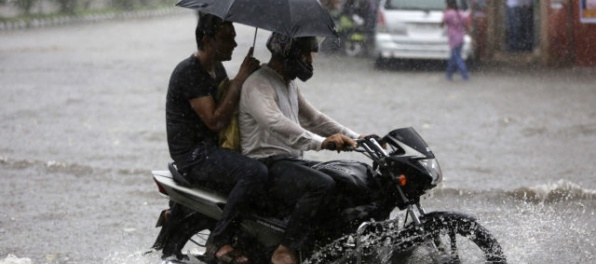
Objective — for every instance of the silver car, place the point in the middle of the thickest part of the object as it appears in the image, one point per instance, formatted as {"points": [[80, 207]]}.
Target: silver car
{"points": [[411, 29]]}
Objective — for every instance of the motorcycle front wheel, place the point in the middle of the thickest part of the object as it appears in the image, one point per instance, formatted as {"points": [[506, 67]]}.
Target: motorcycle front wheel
{"points": [[442, 237]]}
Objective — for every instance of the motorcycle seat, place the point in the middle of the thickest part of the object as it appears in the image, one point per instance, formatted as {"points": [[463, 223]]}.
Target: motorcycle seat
{"points": [[182, 181], [177, 176]]}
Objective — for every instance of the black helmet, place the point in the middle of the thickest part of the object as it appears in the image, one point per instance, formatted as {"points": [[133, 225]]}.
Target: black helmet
{"points": [[289, 49]]}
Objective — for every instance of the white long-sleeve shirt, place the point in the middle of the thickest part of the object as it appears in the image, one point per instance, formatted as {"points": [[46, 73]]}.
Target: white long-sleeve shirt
{"points": [[275, 119]]}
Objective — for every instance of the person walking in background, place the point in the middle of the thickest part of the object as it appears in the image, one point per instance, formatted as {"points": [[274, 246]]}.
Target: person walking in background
{"points": [[457, 23]]}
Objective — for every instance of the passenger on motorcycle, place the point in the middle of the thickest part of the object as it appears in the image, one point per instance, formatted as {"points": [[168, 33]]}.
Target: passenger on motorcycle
{"points": [[277, 124], [194, 118]]}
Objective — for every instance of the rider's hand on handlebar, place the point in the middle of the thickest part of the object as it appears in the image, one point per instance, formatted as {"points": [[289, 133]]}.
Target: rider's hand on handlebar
{"points": [[338, 142]]}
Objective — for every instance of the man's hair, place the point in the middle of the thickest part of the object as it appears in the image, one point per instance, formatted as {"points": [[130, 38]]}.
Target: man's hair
{"points": [[208, 25], [451, 4]]}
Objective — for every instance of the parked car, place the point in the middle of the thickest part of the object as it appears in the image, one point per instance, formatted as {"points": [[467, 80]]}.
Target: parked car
{"points": [[411, 29]]}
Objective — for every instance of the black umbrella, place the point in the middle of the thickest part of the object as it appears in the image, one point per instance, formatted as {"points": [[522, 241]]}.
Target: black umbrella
{"points": [[294, 18]]}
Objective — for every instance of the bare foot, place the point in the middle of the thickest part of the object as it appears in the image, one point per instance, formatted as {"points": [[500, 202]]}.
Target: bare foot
{"points": [[283, 255]]}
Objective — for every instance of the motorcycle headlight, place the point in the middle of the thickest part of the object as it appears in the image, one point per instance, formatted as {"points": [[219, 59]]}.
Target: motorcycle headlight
{"points": [[434, 169]]}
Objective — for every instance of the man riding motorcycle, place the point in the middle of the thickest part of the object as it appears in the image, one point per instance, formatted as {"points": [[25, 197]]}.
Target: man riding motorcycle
{"points": [[277, 124]]}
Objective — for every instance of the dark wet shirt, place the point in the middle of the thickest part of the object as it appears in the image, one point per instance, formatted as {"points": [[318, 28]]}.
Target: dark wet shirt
{"points": [[185, 129]]}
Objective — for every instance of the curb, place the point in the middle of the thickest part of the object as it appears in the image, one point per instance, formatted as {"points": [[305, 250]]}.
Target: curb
{"points": [[68, 20]]}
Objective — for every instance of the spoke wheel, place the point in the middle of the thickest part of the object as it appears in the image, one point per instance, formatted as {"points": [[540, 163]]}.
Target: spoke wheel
{"points": [[187, 238], [447, 238], [353, 48], [441, 238]]}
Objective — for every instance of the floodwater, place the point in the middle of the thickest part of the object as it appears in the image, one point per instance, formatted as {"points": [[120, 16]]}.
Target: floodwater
{"points": [[82, 125]]}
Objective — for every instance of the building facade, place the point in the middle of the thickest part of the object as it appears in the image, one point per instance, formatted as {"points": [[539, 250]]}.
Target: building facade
{"points": [[552, 32]]}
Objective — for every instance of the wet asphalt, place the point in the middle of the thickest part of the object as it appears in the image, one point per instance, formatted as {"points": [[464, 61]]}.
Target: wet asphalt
{"points": [[82, 125]]}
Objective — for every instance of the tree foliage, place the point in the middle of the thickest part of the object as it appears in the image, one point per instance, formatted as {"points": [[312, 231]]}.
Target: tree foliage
{"points": [[67, 6], [24, 6], [70, 7]]}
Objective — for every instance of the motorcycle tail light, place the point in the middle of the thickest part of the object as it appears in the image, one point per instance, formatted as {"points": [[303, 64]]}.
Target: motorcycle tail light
{"points": [[402, 180], [160, 188]]}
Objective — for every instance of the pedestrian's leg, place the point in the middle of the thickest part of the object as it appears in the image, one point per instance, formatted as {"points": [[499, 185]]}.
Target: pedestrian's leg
{"points": [[450, 65], [461, 64]]}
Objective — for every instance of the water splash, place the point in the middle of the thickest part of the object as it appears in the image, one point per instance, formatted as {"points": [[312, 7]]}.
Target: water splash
{"points": [[12, 259], [561, 190]]}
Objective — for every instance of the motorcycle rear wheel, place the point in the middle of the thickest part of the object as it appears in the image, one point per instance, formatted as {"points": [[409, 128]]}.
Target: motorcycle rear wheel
{"points": [[442, 237], [187, 238]]}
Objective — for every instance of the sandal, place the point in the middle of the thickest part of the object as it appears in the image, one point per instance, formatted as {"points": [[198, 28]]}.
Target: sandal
{"points": [[231, 257]]}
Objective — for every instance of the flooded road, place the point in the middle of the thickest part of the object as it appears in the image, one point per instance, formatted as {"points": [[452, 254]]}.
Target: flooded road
{"points": [[82, 125]]}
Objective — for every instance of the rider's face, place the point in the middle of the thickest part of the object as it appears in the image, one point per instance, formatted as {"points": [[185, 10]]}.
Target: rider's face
{"points": [[306, 56], [224, 42], [307, 50]]}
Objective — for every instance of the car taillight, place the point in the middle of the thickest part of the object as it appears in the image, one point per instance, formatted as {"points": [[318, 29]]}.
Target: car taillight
{"points": [[381, 21], [159, 187]]}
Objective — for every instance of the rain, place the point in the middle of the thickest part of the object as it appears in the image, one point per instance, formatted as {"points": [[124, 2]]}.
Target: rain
{"points": [[83, 125]]}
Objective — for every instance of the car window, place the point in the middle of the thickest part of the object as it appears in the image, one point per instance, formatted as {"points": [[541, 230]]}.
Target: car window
{"points": [[422, 4], [415, 4]]}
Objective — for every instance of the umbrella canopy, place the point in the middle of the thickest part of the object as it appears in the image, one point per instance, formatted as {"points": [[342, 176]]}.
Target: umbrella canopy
{"points": [[294, 18]]}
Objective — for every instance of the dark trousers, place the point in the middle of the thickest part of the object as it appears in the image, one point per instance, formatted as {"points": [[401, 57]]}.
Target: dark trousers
{"points": [[456, 62], [308, 194], [243, 179]]}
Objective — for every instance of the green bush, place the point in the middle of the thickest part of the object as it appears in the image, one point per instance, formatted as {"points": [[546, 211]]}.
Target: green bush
{"points": [[132, 4], [24, 6], [67, 6]]}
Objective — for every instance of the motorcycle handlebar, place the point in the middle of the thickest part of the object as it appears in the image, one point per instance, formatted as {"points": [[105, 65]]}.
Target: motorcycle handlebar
{"points": [[359, 142]]}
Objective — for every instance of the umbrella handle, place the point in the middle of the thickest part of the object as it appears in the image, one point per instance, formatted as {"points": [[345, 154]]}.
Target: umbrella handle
{"points": [[254, 40]]}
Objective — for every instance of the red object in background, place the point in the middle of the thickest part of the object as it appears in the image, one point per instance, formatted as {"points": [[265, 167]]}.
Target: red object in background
{"points": [[584, 38], [559, 32], [480, 23]]}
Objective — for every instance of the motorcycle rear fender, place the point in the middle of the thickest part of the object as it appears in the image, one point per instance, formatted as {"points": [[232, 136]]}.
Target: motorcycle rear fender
{"points": [[205, 201], [268, 231], [162, 218]]}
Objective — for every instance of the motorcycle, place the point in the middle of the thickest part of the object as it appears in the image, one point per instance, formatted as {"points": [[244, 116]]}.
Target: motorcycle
{"points": [[352, 40], [403, 169]]}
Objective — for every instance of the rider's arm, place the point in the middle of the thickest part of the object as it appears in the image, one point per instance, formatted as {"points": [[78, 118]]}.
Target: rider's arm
{"points": [[260, 101], [217, 116]]}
